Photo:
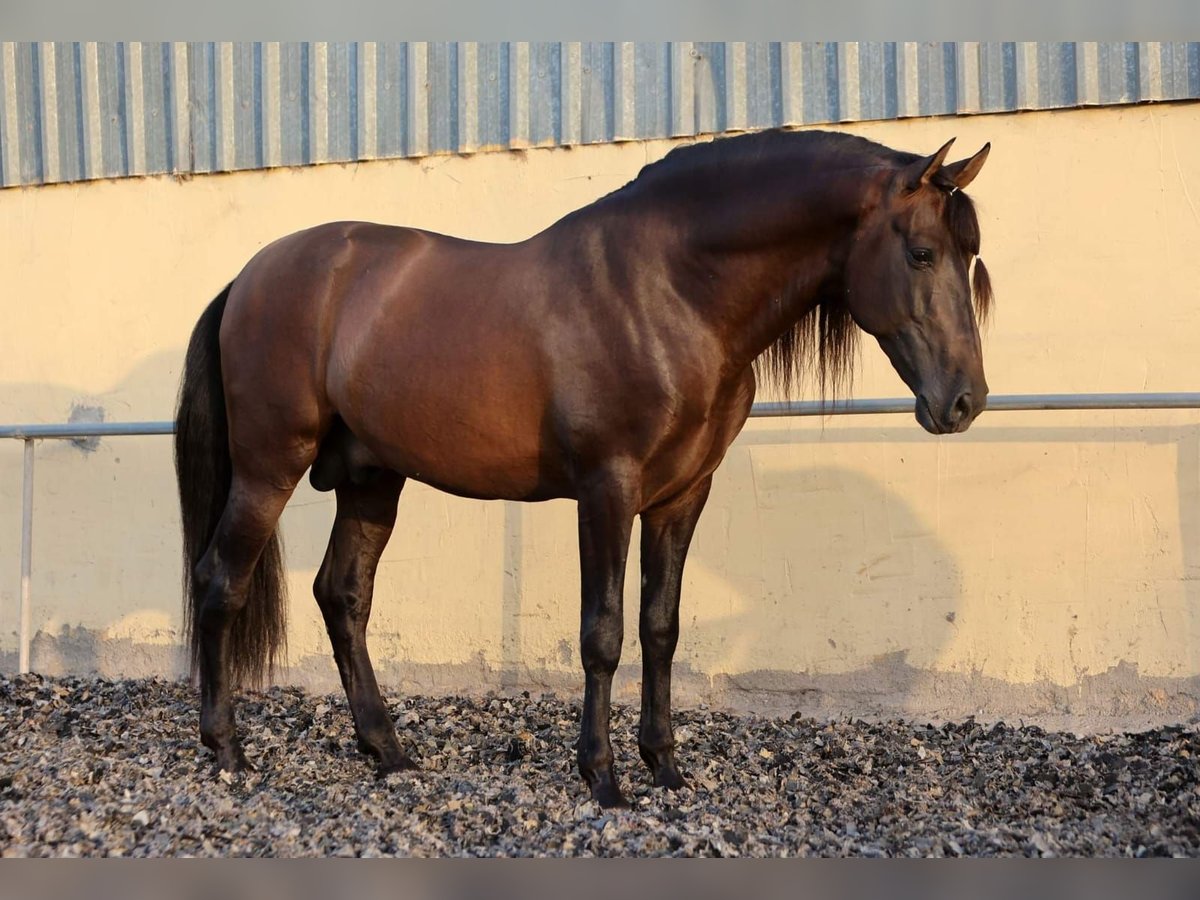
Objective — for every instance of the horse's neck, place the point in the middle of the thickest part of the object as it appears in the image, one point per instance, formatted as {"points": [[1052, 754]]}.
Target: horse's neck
{"points": [[771, 254]]}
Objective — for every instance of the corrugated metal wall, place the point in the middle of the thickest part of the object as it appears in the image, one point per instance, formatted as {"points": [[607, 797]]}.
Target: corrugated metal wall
{"points": [[71, 111]]}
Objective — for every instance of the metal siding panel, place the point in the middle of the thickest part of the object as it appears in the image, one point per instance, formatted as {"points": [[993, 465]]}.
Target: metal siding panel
{"points": [[1175, 70], [91, 138], [224, 107], [816, 88], [442, 78], [1149, 71], [791, 83], [22, 163], [246, 117], [848, 93], [317, 83], [891, 80], [874, 79], [1121, 76], [133, 92], [764, 95], [735, 85], [1025, 81], [708, 79], [113, 112], [341, 89], [518, 94], [830, 59], [624, 90], [391, 103], [652, 89], [202, 106], [1008, 57], [683, 88], [545, 93], [293, 103], [353, 82], [571, 92], [8, 116], [1058, 74], [72, 119], [156, 108], [491, 88], [945, 64], [181, 116], [367, 102], [416, 125], [597, 92], [32, 114], [1111, 69], [1133, 73], [907, 88], [271, 120], [991, 75]]}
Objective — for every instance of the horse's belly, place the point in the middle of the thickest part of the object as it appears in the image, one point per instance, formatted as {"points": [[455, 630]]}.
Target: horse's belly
{"points": [[487, 458]]}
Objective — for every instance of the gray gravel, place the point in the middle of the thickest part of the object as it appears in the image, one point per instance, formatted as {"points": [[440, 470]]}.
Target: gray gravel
{"points": [[90, 767]]}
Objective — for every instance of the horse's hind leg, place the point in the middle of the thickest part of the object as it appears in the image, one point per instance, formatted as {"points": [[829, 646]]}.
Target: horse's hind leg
{"points": [[344, 586], [251, 514]]}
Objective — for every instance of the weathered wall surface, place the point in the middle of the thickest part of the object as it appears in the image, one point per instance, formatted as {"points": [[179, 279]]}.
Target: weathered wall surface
{"points": [[1044, 564]]}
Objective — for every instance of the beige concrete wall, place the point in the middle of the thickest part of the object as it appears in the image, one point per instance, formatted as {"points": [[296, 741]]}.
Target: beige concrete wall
{"points": [[1044, 564]]}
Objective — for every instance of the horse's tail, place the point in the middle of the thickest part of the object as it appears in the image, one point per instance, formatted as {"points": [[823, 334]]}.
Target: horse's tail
{"points": [[204, 471]]}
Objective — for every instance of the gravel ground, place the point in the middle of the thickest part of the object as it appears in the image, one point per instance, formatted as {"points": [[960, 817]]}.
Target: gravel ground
{"points": [[90, 767]]}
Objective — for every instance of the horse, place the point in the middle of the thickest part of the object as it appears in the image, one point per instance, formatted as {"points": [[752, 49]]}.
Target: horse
{"points": [[610, 359]]}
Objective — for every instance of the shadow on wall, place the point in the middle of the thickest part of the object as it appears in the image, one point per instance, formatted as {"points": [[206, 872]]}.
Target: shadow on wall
{"points": [[898, 598], [777, 571], [821, 566]]}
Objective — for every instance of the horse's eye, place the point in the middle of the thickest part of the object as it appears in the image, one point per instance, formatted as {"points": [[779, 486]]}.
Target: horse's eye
{"points": [[921, 256]]}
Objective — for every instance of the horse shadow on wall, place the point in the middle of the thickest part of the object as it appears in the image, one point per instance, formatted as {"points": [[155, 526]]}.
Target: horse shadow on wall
{"points": [[819, 587], [795, 569]]}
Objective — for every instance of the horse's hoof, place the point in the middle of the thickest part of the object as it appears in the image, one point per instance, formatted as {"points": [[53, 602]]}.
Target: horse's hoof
{"points": [[608, 795], [232, 761], [668, 778], [402, 763]]}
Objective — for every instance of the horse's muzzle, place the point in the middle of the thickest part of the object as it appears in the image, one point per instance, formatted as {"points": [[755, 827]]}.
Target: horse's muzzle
{"points": [[953, 417]]}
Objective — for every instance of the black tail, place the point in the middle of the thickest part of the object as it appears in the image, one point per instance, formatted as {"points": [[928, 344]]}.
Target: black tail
{"points": [[204, 470]]}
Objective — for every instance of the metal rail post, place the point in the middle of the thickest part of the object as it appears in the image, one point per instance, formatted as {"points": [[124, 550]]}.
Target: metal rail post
{"points": [[26, 558]]}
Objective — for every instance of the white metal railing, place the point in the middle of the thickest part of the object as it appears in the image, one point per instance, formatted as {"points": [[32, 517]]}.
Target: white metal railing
{"points": [[82, 430]]}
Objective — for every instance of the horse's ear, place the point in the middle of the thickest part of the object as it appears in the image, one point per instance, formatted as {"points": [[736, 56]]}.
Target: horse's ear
{"points": [[920, 172], [964, 171]]}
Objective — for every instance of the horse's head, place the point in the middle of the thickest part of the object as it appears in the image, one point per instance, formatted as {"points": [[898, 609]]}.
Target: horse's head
{"points": [[908, 282]]}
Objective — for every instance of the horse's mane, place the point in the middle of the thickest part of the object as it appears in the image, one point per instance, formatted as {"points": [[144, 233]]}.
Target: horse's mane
{"points": [[823, 345]]}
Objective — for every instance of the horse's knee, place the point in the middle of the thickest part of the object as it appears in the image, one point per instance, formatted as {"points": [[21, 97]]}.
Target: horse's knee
{"points": [[600, 642], [659, 636]]}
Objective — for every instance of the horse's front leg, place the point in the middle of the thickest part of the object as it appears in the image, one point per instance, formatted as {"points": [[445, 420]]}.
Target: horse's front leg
{"points": [[666, 533], [606, 511]]}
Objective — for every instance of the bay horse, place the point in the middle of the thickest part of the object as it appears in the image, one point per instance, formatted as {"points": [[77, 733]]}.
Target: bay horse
{"points": [[610, 359]]}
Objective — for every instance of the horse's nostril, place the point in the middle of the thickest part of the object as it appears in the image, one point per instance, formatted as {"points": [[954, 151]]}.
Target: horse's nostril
{"points": [[961, 411]]}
